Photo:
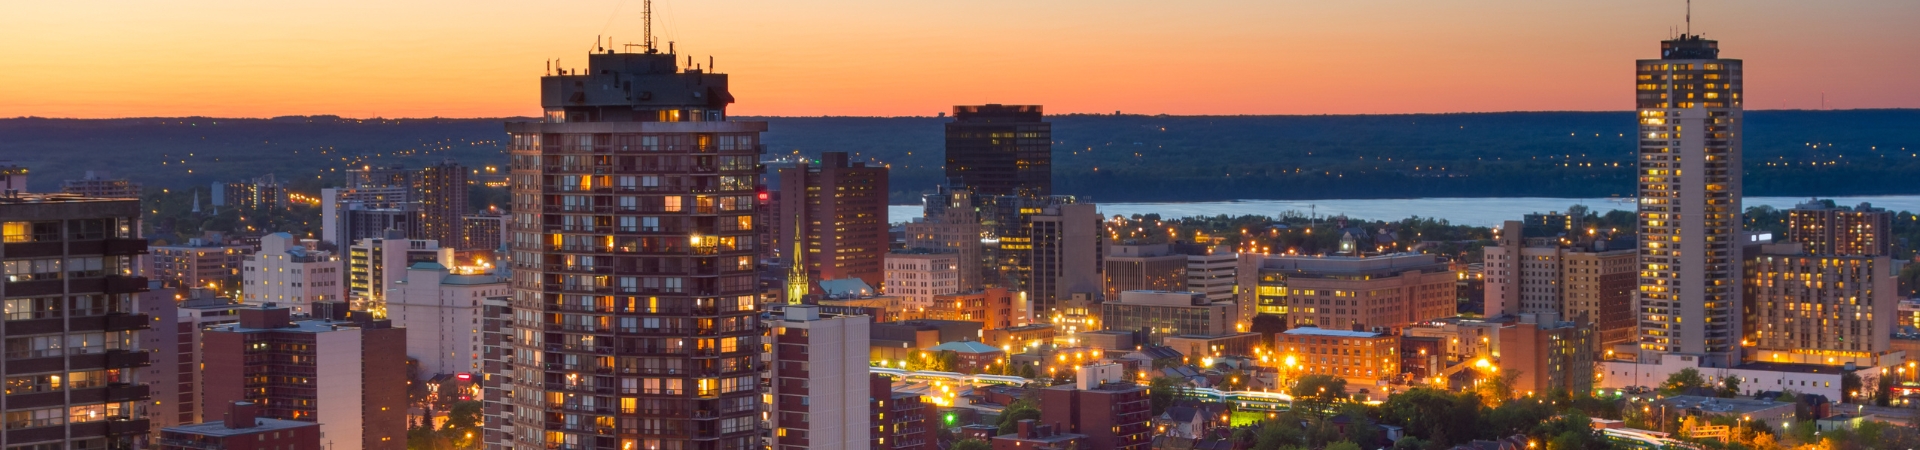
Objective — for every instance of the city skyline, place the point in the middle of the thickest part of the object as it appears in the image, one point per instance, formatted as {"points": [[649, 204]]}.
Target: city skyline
{"points": [[852, 58]]}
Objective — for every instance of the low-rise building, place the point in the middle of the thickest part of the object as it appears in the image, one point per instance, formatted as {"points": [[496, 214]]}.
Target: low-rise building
{"points": [[1031, 435], [1201, 346], [1377, 292], [992, 307], [1020, 336], [1162, 313], [1112, 415], [242, 428], [973, 355], [1775, 414], [1817, 379], [1364, 358], [1549, 355]]}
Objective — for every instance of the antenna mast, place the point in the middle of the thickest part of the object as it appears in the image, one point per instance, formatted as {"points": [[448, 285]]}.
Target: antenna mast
{"points": [[1689, 17], [646, 15]]}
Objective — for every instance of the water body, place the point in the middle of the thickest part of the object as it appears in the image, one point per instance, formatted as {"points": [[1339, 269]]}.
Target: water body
{"points": [[1465, 211]]}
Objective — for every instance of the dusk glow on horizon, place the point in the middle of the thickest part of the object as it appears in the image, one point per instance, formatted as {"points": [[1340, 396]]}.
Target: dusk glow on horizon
{"points": [[883, 58]]}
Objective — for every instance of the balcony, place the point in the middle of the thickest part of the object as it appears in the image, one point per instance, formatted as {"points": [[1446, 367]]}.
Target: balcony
{"points": [[116, 284], [128, 358], [34, 288], [124, 427], [33, 326], [124, 247]]}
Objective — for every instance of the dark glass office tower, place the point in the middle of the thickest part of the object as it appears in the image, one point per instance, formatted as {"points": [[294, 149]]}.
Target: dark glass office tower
{"points": [[633, 262], [1001, 150]]}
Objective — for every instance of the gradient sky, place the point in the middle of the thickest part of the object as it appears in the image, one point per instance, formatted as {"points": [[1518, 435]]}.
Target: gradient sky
{"points": [[396, 58]]}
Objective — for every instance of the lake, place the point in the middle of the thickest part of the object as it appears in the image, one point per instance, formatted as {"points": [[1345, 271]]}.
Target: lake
{"points": [[1465, 211]]}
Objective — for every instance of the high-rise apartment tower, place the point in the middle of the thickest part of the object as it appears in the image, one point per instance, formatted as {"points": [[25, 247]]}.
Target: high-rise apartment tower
{"points": [[633, 249], [1689, 174]]}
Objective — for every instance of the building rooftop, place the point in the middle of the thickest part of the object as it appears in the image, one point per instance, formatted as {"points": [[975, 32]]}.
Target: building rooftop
{"points": [[1721, 405], [1352, 265], [1310, 331], [965, 347], [56, 198], [297, 326], [1791, 367], [219, 428]]}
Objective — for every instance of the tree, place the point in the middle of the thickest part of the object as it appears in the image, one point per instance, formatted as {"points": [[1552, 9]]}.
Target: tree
{"points": [[1278, 434], [1499, 387], [1343, 445], [1017, 411], [1515, 417], [1316, 393], [1681, 382], [1408, 443], [463, 416], [1730, 387], [1161, 392], [1883, 394], [1432, 410], [1849, 387], [971, 444], [949, 361], [1764, 441]]}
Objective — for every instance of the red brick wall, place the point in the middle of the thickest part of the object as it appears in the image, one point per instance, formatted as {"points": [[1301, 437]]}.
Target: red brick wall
{"points": [[224, 352], [385, 397]]}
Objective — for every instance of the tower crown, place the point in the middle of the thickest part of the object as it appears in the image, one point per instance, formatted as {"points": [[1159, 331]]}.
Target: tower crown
{"points": [[1689, 47]]}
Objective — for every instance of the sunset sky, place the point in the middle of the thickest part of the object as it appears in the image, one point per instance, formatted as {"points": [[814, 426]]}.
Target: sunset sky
{"points": [[397, 58]]}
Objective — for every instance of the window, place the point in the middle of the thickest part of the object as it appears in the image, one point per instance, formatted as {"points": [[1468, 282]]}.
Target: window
{"points": [[32, 308], [32, 269], [12, 232], [94, 413], [673, 204], [34, 418], [33, 383], [34, 347]]}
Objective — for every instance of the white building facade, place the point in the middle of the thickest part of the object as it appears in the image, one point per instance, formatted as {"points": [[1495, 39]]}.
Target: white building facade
{"points": [[291, 272]]}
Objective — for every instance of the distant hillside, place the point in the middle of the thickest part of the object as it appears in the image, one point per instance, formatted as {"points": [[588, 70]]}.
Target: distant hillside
{"points": [[1107, 158]]}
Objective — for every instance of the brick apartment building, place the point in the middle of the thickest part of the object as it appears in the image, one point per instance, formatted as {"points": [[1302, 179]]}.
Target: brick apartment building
{"points": [[347, 373]]}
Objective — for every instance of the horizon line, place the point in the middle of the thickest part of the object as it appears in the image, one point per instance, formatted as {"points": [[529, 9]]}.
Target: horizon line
{"points": [[1570, 111]]}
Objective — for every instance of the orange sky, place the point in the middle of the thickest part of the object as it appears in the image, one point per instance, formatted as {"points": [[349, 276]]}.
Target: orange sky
{"points": [[397, 58]]}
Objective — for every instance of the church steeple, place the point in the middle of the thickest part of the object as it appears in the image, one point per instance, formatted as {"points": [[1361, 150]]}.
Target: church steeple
{"points": [[797, 275]]}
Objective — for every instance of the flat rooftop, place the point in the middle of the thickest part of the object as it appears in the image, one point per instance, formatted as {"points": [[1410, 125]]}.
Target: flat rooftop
{"points": [[1721, 405], [298, 326], [219, 428], [1790, 367], [1332, 333]]}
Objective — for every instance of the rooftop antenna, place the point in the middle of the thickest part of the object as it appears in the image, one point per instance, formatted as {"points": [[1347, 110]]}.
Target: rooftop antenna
{"points": [[646, 15], [1689, 17]]}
